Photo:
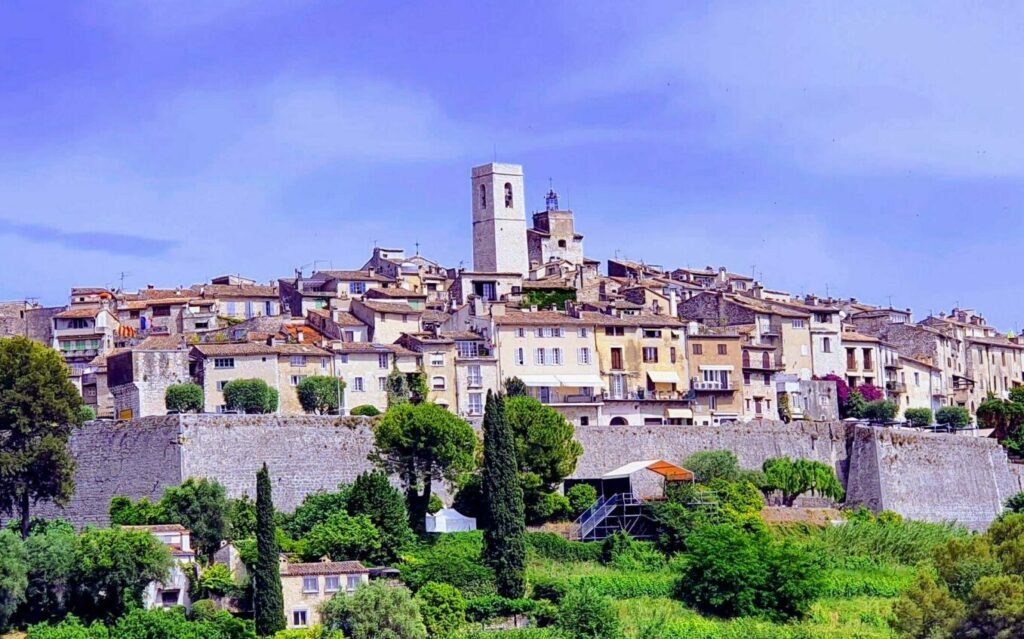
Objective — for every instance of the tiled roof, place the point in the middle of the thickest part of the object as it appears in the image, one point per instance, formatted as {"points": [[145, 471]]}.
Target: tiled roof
{"points": [[1000, 342], [391, 293], [235, 290], [159, 528], [163, 293], [88, 290], [369, 347], [535, 318], [324, 568], [642, 320], [465, 336], [73, 313], [396, 308], [853, 336], [355, 276], [257, 348], [162, 343]]}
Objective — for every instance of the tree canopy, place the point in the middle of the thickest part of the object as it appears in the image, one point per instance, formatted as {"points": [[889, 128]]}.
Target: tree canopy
{"points": [[268, 600], [184, 398], [253, 396], [504, 538], [320, 394], [39, 407], [423, 443], [794, 478]]}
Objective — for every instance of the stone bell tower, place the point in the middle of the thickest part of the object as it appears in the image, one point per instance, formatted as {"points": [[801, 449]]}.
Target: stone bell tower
{"points": [[499, 220]]}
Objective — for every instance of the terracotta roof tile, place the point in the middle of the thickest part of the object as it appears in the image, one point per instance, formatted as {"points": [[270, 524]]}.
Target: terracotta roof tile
{"points": [[324, 568], [395, 308]]}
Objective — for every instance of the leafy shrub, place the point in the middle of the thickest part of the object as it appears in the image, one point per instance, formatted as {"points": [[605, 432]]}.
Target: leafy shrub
{"points": [[69, 628], [483, 609], [184, 398], [1015, 504], [918, 417], [435, 504], [733, 573], [375, 610], [961, 562], [713, 464], [953, 416], [870, 393], [86, 413], [315, 508], [867, 580], [619, 585], [215, 580], [615, 545], [442, 607], [342, 537], [204, 610], [454, 559], [366, 410], [581, 498], [558, 548], [252, 396], [879, 410], [547, 506], [926, 610], [320, 394], [586, 614]]}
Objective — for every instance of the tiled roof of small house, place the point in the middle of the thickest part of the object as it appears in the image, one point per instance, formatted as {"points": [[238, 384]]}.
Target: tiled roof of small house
{"points": [[535, 318], [395, 308], [355, 276], [324, 568], [73, 313], [159, 528], [640, 319], [228, 291], [394, 293]]}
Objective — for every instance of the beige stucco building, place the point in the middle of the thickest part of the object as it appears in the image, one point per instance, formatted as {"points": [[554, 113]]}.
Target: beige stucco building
{"points": [[306, 587]]}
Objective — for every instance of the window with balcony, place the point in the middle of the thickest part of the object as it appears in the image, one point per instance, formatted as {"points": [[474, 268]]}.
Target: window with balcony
{"points": [[78, 322]]}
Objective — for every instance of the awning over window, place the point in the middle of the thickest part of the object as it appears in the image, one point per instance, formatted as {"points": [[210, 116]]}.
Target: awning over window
{"points": [[679, 413], [663, 377], [581, 381], [540, 380]]}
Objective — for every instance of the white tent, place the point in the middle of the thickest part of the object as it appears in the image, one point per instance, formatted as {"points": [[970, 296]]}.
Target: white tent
{"points": [[449, 520]]}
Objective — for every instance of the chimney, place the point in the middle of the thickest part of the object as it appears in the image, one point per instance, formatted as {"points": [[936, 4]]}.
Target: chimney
{"points": [[372, 271], [673, 303], [300, 335]]}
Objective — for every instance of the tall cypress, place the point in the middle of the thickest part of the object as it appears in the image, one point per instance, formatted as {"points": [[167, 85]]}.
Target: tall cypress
{"points": [[267, 598], [505, 537]]}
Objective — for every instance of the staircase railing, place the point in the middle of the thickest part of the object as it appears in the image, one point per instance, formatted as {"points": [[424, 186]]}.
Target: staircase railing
{"points": [[592, 518]]}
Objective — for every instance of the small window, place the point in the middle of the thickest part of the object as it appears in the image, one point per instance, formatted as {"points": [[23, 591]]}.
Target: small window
{"points": [[437, 383], [520, 356], [798, 323], [652, 333], [650, 354], [476, 403], [382, 360], [224, 362], [311, 584], [332, 583], [353, 582], [357, 288], [508, 195], [357, 384], [556, 356], [299, 619], [520, 332], [222, 383], [584, 420], [672, 354], [483, 195], [297, 361], [437, 359], [584, 332], [297, 379], [538, 356], [161, 311], [723, 349], [561, 243], [698, 349], [583, 355]]}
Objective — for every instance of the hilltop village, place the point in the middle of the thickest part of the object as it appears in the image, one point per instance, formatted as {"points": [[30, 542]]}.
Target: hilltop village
{"points": [[629, 344]]}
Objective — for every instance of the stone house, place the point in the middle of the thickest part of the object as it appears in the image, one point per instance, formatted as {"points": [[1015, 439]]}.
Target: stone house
{"points": [[862, 359], [760, 365], [555, 356], [554, 236], [415, 273], [643, 365], [814, 400], [995, 363], [173, 590], [365, 366], [327, 289], [715, 359], [306, 587], [242, 300], [436, 358], [296, 362], [484, 285], [922, 384], [342, 326], [82, 333], [825, 323], [139, 377], [387, 320], [476, 372]]}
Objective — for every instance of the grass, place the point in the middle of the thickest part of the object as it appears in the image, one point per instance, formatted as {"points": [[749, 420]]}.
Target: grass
{"points": [[906, 542]]}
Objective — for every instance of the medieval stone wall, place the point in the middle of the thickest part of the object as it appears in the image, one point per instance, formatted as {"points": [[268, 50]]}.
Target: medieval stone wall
{"points": [[921, 476]]}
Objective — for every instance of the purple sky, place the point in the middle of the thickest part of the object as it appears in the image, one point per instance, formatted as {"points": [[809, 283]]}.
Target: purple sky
{"points": [[872, 150]]}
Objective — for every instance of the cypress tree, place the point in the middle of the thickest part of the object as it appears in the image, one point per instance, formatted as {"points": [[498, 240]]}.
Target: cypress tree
{"points": [[505, 537], [268, 601]]}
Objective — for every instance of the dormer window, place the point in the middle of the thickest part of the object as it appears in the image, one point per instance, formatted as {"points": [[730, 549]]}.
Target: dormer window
{"points": [[508, 195]]}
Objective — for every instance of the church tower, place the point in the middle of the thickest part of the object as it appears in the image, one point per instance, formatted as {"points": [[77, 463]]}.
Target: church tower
{"points": [[499, 219]]}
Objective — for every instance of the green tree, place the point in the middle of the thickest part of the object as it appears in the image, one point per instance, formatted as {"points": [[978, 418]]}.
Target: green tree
{"points": [[375, 611], [373, 495], [731, 572], [794, 478], [342, 537], [423, 443], [546, 451], [515, 387], [111, 569], [39, 407], [585, 614], [443, 609], [397, 386], [1007, 537], [251, 396], [86, 413], [953, 416], [49, 557], [320, 394], [1015, 504], [713, 464], [962, 561], [241, 518], [854, 405], [926, 610], [995, 609], [184, 398], [919, 417], [200, 505], [880, 410], [13, 576], [419, 390], [268, 601], [1005, 418], [581, 497], [316, 508], [505, 537], [124, 512]]}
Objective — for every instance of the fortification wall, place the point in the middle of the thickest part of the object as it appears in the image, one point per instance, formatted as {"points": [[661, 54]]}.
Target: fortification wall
{"points": [[922, 476]]}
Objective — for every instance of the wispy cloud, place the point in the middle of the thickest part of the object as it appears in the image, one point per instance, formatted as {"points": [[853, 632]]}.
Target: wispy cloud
{"points": [[95, 241]]}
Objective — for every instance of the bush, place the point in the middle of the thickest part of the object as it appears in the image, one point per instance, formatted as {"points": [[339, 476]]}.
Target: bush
{"points": [[375, 610], [880, 410], [366, 410], [918, 417], [184, 398], [215, 580], [734, 573], [443, 609], [995, 609], [558, 548], [961, 562], [483, 609], [342, 537], [953, 416], [454, 559], [251, 396], [615, 545], [435, 504], [1015, 504], [86, 413], [547, 507], [713, 464], [585, 614], [581, 497]]}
